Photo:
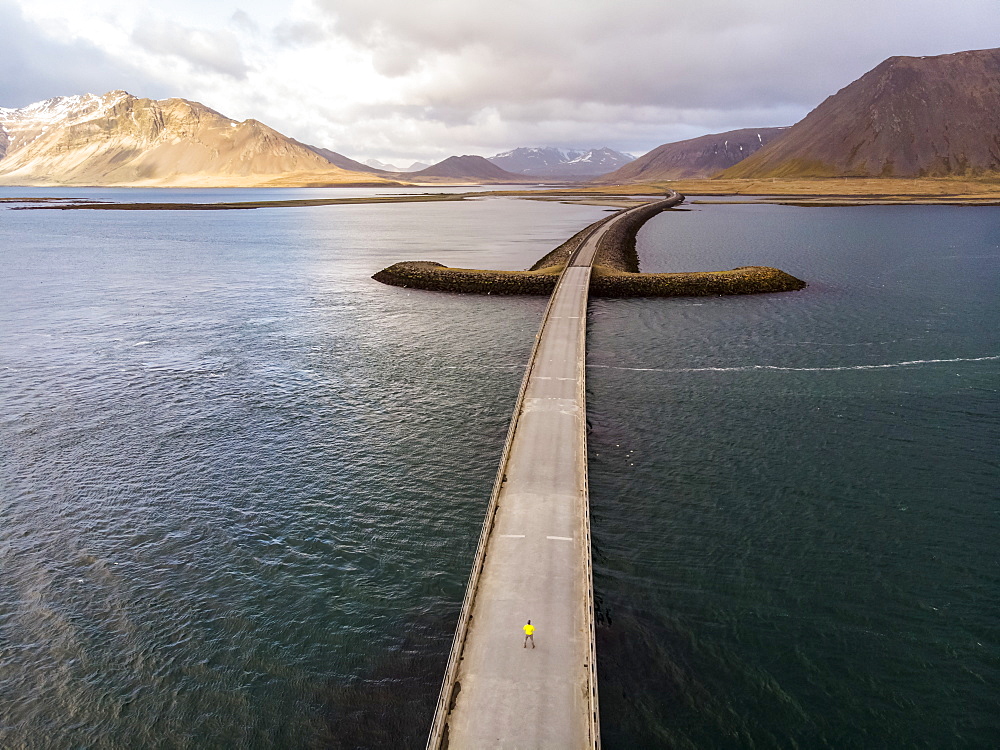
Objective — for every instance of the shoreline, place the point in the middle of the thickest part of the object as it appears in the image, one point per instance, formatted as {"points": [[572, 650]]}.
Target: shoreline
{"points": [[816, 191], [806, 192], [61, 204]]}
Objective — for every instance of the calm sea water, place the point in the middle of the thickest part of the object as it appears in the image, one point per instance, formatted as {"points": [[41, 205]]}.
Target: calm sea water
{"points": [[220, 195], [796, 497], [241, 483]]}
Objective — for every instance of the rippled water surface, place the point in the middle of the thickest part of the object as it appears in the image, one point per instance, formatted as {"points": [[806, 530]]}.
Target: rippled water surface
{"points": [[795, 497], [240, 482]]}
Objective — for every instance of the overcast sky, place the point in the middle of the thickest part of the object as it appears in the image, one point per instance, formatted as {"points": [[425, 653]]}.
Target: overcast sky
{"points": [[399, 80]]}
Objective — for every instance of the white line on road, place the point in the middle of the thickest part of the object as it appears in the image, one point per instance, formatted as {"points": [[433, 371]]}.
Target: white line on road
{"points": [[561, 538]]}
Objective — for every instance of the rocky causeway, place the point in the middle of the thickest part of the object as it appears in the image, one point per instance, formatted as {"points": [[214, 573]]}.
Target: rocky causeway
{"points": [[615, 270]]}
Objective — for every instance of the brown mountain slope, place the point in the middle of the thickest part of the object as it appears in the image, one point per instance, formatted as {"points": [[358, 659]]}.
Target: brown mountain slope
{"points": [[466, 169], [907, 117], [118, 139], [693, 158]]}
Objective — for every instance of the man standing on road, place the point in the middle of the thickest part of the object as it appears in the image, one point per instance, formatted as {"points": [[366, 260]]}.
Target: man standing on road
{"points": [[529, 634]]}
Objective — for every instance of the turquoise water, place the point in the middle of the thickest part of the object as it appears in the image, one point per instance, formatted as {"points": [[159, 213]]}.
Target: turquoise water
{"points": [[241, 483]]}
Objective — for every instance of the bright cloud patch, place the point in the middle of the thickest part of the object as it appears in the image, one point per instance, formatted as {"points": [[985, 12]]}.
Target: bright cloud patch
{"points": [[400, 80]]}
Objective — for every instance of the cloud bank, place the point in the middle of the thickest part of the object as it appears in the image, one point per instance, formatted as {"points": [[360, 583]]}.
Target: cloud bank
{"points": [[399, 80]]}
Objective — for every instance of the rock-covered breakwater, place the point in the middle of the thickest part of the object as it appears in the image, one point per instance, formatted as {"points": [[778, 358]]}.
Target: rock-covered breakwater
{"points": [[615, 270], [422, 274], [616, 249], [745, 280]]}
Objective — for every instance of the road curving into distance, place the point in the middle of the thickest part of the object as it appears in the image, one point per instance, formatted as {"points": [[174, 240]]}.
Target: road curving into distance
{"points": [[611, 247], [533, 559]]}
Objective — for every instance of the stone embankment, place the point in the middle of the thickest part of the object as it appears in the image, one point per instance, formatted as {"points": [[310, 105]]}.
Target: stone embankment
{"points": [[745, 280], [616, 249], [615, 271], [422, 274]]}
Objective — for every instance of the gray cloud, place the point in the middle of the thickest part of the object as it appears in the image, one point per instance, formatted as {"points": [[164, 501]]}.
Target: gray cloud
{"points": [[36, 67], [479, 76], [300, 33], [708, 63], [243, 20], [211, 51]]}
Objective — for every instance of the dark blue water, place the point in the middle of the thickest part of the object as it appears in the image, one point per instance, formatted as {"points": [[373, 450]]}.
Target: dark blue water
{"points": [[240, 483], [795, 497]]}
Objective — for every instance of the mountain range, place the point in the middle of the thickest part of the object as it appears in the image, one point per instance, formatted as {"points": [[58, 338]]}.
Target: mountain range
{"points": [[119, 139], [908, 117], [560, 163], [383, 167]]}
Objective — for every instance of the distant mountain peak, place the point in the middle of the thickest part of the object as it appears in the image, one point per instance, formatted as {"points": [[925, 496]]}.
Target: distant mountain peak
{"points": [[387, 167], [468, 168], [560, 163]]}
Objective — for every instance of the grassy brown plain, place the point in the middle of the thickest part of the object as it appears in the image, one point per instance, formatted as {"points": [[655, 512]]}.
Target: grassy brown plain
{"points": [[833, 190]]}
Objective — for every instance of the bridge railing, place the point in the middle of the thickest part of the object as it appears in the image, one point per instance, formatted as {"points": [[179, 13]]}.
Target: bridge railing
{"points": [[447, 695], [449, 685]]}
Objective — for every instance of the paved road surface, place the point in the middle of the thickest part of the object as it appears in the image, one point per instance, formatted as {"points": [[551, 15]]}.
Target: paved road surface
{"points": [[535, 562], [519, 697]]}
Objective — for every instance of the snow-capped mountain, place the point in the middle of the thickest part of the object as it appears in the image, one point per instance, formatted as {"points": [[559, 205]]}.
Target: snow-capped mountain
{"points": [[19, 128], [119, 139], [561, 162]]}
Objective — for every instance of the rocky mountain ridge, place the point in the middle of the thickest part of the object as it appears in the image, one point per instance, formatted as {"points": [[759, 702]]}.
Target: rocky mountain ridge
{"points": [[120, 139], [694, 158], [907, 117], [561, 163]]}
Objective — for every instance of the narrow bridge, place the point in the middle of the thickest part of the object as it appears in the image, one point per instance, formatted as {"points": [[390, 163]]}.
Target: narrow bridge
{"points": [[533, 559]]}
